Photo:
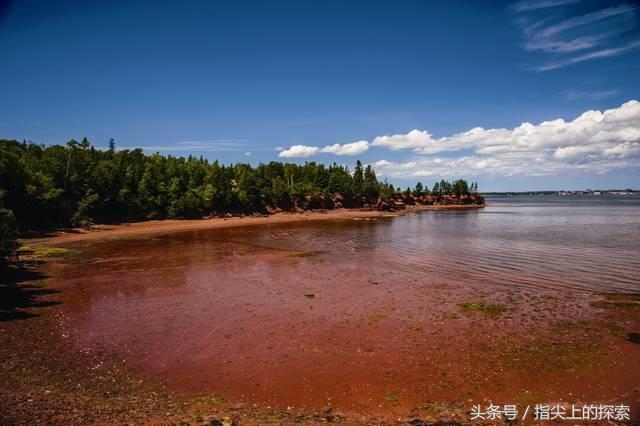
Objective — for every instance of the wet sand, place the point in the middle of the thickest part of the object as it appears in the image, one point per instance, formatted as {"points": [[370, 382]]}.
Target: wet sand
{"points": [[370, 320]]}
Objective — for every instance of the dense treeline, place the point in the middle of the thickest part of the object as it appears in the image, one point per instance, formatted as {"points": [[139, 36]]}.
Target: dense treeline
{"points": [[77, 184]]}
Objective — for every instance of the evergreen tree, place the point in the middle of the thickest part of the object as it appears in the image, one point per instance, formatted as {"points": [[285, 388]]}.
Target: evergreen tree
{"points": [[358, 179], [372, 188], [419, 190]]}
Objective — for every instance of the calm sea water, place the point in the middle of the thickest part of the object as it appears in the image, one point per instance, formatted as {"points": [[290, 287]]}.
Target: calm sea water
{"points": [[573, 242], [558, 242]]}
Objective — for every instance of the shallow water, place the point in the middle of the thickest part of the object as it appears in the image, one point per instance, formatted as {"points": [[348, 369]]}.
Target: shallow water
{"points": [[349, 312]]}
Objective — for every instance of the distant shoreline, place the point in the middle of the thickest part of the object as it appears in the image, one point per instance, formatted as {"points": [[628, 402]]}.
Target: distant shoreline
{"points": [[596, 193], [154, 227]]}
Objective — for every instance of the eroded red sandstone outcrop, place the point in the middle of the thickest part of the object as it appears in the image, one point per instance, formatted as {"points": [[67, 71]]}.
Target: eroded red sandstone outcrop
{"points": [[398, 202]]}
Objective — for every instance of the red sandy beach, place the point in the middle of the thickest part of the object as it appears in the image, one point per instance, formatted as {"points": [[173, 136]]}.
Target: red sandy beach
{"points": [[298, 318]]}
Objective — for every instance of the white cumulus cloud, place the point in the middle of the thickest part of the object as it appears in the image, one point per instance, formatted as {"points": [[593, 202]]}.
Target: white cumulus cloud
{"points": [[598, 130], [415, 139], [355, 148], [303, 151], [299, 151], [594, 142]]}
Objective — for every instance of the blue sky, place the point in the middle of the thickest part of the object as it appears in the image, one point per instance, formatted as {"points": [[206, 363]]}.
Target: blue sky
{"points": [[247, 81]]}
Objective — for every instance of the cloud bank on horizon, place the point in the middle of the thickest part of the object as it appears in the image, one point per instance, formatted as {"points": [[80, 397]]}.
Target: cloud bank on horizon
{"points": [[595, 142]]}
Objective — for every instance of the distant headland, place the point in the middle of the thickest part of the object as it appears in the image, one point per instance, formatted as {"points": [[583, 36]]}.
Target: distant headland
{"points": [[593, 192]]}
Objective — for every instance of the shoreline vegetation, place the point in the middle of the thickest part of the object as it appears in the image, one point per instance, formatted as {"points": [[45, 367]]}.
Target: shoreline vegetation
{"points": [[47, 188]]}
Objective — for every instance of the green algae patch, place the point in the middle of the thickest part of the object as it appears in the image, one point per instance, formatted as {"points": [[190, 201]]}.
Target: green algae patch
{"points": [[627, 302], [622, 296], [391, 396], [487, 309], [375, 318], [569, 326], [567, 356], [591, 328], [615, 329], [623, 305], [305, 253], [568, 347], [47, 251]]}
